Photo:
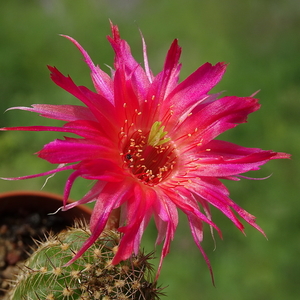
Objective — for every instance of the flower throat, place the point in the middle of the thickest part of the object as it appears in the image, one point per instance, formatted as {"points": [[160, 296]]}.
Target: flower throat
{"points": [[150, 157]]}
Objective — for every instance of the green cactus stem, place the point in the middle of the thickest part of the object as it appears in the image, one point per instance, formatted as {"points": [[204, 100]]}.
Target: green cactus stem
{"points": [[91, 277]]}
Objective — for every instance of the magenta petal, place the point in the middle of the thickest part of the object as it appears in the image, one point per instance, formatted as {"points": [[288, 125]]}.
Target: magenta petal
{"points": [[67, 151], [169, 76], [100, 169], [166, 211], [223, 166], [60, 112], [146, 63], [216, 117], [102, 81], [69, 185], [126, 98], [196, 227], [60, 168], [101, 108], [109, 199], [90, 196], [193, 90], [137, 218], [125, 63], [209, 191], [82, 128]]}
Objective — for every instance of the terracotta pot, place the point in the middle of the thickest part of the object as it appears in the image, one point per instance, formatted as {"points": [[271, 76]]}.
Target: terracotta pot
{"points": [[41, 202], [24, 216]]}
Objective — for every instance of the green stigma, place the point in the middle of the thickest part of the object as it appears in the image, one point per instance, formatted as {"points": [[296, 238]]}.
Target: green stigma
{"points": [[156, 135]]}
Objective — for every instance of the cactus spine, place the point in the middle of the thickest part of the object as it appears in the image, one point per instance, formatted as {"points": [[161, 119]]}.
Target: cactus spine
{"points": [[91, 277]]}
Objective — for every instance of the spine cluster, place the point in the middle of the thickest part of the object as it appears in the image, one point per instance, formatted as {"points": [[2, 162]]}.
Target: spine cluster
{"points": [[90, 277]]}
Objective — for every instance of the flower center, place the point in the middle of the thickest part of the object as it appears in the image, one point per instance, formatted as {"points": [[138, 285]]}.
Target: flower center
{"points": [[150, 157]]}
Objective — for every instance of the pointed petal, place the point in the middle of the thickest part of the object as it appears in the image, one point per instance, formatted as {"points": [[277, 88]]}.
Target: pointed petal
{"points": [[138, 212], [124, 61], [161, 86], [126, 98], [185, 201], [59, 169], [111, 197], [90, 196], [168, 78], [146, 63], [166, 210], [209, 190], [222, 159], [197, 233], [87, 129], [193, 90], [101, 108], [60, 112], [73, 150], [102, 82], [211, 119], [100, 169]]}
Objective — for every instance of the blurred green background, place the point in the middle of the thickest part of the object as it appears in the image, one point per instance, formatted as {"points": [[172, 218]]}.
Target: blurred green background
{"points": [[259, 38]]}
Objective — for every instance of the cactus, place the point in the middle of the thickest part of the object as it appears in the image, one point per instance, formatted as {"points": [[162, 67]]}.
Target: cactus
{"points": [[91, 277]]}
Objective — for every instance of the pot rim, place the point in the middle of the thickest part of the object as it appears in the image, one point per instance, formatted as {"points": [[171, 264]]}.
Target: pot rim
{"points": [[8, 202]]}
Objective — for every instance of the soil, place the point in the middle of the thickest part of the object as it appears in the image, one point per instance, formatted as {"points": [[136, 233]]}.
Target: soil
{"points": [[18, 231]]}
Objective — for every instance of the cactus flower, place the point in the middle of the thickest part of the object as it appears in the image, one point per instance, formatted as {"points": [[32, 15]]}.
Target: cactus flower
{"points": [[148, 142]]}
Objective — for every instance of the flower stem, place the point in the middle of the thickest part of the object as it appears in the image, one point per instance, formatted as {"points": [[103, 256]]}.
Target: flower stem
{"points": [[113, 220]]}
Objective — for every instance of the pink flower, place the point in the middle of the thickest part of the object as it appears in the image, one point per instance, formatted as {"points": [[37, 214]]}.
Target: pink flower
{"points": [[149, 143]]}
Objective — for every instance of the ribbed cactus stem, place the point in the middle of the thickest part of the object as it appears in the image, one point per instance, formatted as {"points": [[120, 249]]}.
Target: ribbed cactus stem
{"points": [[90, 277]]}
